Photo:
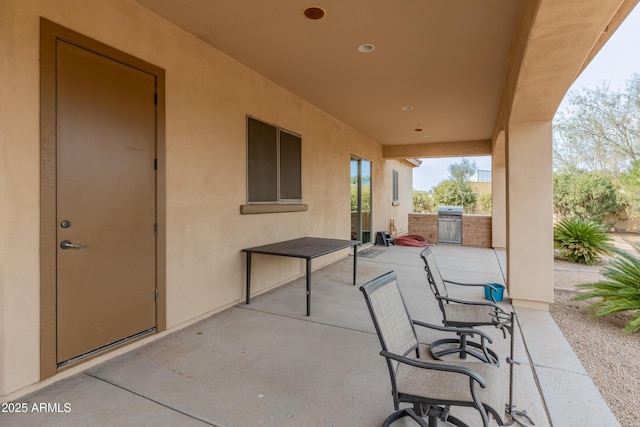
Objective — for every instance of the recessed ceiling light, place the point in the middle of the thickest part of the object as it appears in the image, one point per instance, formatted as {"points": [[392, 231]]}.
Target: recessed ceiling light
{"points": [[314, 12], [407, 108], [366, 48]]}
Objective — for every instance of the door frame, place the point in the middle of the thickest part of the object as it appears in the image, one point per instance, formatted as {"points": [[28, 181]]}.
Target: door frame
{"points": [[50, 32], [360, 230]]}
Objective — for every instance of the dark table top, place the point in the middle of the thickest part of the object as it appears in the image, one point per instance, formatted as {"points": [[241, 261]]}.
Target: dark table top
{"points": [[304, 247]]}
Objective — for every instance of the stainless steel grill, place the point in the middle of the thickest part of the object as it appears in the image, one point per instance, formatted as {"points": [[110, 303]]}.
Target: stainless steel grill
{"points": [[450, 224]]}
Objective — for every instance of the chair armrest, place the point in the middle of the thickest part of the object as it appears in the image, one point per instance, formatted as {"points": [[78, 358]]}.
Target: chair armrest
{"points": [[436, 366], [468, 331], [467, 302], [465, 284], [489, 285]]}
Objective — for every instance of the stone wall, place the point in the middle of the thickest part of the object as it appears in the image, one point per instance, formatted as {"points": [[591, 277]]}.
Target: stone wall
{"points": [[476, 229]]}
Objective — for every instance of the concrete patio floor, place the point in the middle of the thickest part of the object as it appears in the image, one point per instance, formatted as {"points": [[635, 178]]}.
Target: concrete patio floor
{"points": [[267, 364]]}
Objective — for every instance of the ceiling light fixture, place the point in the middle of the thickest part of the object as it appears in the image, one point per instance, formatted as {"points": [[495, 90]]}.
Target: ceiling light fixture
{"points": [[407, 108], [366, 48], [314, 12]]}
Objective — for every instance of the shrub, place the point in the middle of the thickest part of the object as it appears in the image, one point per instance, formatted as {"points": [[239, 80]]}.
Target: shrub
{"points": [[630, 181], [619, 292], [422, 202], [588, 195], [484, 203], [581, 241]]}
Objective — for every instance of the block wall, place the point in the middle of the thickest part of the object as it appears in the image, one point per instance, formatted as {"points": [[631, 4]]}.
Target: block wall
{"points": [[476, 229]]}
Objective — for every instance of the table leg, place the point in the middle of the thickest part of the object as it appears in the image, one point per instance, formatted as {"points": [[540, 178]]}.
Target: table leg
{"points": [[355, 263], [308, 286], [248, 276]]}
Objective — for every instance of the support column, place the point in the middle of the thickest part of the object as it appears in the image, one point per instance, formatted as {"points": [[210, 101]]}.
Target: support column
{"points": [[499, 193], [530, 214]]}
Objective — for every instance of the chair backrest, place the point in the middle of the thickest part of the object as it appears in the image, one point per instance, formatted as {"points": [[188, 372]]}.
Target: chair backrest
{"points": [[390, 315], [433, 274]]}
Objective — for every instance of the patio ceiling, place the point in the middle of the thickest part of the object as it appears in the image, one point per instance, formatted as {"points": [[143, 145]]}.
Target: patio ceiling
{"points": [[460, 65]]}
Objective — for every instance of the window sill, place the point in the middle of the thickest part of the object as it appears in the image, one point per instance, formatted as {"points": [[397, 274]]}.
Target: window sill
{"points": [[272, 208]]}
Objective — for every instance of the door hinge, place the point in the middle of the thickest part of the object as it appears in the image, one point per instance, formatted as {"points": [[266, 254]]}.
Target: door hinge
{"points": [[155, 229], [155, 99], [156, 296], [155, 164]]}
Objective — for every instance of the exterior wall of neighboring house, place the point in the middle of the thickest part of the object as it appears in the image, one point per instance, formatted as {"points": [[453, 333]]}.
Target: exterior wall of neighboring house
{"points": [[481, 187], [208, 96]]}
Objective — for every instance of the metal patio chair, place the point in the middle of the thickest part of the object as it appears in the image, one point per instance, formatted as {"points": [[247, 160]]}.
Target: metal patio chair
{"points": [[432, 387], [464, 314]]}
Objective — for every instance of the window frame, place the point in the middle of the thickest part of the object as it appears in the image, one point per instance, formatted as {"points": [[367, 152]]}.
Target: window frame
{"points": [[252, 195]]}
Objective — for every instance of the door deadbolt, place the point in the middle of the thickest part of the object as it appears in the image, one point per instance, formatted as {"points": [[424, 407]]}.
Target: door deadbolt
{"points": [[65, 224]]}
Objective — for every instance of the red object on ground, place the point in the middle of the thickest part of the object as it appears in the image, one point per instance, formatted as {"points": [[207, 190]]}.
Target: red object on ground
{"points": [[412, 240]]}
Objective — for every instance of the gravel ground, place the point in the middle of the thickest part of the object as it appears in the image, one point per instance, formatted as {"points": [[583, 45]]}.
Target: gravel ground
{"points": [[610, 356]]}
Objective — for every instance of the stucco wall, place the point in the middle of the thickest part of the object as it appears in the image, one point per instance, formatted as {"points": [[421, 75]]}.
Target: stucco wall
{"points": [[208, 96], [400, 211]]}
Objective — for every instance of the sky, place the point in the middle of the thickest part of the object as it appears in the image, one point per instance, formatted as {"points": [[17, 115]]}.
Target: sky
{"points": [[616, 62]]}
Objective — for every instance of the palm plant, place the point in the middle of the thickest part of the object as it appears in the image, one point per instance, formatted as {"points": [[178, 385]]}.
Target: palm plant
{"points": [[619, 292], [581, 241]]}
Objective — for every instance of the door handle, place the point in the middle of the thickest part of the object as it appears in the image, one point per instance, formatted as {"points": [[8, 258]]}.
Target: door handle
{"points": [[66, 244]]}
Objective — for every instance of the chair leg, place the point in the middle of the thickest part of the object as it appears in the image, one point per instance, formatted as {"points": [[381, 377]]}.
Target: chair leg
{"points": [[406, 412], [456, 422], [523, 414], [437, 413], [433, 413]]}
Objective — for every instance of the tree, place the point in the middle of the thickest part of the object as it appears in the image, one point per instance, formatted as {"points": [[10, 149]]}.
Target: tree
{"points": [[451, 193], [600, 130], [462, 172], [456, 191], [586, 195]]}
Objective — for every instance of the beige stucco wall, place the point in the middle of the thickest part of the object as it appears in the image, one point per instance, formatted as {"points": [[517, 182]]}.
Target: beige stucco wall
{"points": [[400, 211], [530, 214], [499, 192], [207, 98]]}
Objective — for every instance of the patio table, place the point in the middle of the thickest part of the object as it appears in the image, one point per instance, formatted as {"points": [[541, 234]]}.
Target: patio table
{"points": [[306, 248]]}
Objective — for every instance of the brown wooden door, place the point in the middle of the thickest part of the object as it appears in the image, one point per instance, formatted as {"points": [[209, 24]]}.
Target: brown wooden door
{"points": [[105, 131]]}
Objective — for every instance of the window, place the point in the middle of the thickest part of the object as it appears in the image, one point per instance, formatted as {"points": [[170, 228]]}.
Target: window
{"points": [[274, 160], [396, 193]]}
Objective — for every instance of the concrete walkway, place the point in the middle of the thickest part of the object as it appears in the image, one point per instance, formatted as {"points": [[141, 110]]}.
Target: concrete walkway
{"points": [[267, 364]]}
